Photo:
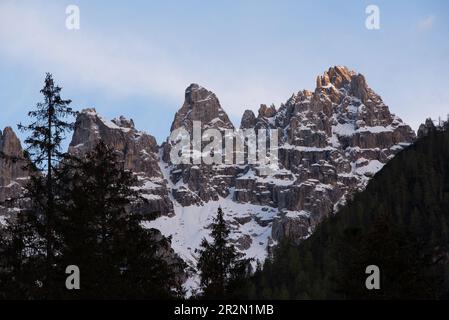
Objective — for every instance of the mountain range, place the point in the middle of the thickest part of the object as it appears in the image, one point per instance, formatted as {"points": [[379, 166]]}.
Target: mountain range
{"points": [[332, 141]]}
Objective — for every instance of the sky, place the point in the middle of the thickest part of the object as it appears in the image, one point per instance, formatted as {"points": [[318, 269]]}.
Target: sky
{"points": [[135, 58]]}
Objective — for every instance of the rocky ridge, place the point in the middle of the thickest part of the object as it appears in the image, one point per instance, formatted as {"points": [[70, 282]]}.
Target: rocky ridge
{"points": [[138, 151], [331, 142]]}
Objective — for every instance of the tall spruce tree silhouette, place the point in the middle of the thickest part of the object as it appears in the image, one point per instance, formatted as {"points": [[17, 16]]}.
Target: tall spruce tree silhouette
{"points": [[49, 124]]}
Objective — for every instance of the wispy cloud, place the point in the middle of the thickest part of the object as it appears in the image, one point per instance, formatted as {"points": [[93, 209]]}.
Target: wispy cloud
{"points": [[427, 23], [28, 35], [121, 64]]}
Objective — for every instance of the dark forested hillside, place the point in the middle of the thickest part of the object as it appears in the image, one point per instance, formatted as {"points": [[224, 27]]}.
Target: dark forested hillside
{"points": [[399, 223]]}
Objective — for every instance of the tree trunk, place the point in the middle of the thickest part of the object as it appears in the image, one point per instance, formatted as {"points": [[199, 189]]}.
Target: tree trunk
{"points": [[50, 199]]}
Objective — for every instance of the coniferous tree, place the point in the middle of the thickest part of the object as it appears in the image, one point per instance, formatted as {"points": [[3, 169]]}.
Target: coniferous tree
{"points": [[103, 236], [80, 211], [220, 264], [29, 237], [47, 131]]}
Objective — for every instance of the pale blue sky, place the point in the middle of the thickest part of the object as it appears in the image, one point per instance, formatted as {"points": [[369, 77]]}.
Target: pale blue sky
{"points": [[136, 57]]}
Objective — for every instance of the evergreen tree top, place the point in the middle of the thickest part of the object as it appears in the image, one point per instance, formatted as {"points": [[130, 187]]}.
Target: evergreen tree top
{"points": [[48, 127]]}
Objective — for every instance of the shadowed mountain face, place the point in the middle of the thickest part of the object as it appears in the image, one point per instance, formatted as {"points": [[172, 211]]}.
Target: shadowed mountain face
{"points": [[399, 223], [331, 142]]}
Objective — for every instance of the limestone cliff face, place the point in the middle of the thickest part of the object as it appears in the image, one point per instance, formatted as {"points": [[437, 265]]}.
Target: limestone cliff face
{"points": [[12, 175], [331, 141], [138, 150], [196, 184]]}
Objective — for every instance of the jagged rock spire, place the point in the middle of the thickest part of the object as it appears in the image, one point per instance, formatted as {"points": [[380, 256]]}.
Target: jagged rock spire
{"points": [[248, 120], [10, 146], [202, 105], [12, 174]]}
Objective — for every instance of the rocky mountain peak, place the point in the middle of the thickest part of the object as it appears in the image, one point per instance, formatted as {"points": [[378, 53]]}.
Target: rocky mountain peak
{"points": [[337, 76], [11, 164], [248, 120], [426, 127], [119, 134], [265, 119], [195, 92], [267, 112], [340, 77], [201, 105], [89, 111], [124, 122], [359, 88], [9, 143]]}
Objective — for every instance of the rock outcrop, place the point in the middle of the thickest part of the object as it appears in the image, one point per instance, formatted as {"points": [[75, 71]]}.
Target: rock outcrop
{"points": [[138, 151], [12, 174], [426, 127], [248, 120]]}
